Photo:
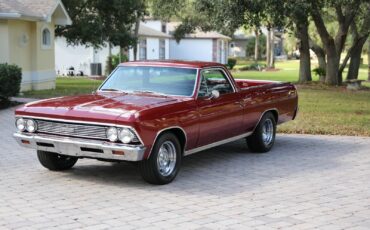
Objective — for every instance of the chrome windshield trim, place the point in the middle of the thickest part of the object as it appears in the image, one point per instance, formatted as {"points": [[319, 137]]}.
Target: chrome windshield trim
{"points": [[164, 66], [83, 122]]}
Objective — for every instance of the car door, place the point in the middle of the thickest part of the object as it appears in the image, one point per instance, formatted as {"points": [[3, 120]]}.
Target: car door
{"points": [[222, 117]]}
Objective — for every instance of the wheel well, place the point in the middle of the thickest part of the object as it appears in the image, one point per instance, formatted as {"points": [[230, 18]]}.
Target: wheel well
{"points": [[275, 113], [180, 134]]}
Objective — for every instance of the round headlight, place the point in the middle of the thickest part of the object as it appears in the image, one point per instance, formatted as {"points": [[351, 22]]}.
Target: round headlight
{"points": [[112, 134], [21, 124], [126, 136], [31, 126]]}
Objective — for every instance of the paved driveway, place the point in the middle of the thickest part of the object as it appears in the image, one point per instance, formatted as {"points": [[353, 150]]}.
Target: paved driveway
{"points": [[305, 182]]}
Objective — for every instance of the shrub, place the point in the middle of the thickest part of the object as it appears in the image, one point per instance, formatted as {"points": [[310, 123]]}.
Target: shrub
{"points": [[254, 67], [257, 66], [319, 72], [113, 61], [249, 49], [10, 81], [231, 62]]}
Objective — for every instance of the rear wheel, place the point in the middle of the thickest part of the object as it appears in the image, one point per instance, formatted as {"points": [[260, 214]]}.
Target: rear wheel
{"points": [[164, 162], [54, 161], [263, 137]]}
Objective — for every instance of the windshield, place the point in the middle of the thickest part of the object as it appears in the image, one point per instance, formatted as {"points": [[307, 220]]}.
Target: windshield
{"points": [[160, 80]]}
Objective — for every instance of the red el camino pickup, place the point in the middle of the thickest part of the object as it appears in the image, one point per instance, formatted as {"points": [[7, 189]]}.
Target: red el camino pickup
{"points": [[156, 112]]}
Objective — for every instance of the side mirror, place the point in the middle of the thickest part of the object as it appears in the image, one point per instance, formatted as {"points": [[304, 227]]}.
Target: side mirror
{"points": [[214, 95]]}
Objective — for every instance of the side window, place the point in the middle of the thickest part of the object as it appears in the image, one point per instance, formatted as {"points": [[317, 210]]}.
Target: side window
{"points": [[214, 79], [142, 49], [46, 38]]}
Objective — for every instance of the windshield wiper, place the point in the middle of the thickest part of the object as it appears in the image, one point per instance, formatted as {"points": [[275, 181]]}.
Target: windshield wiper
{"points": [[110, 90], [151, 92], [115, 90]]}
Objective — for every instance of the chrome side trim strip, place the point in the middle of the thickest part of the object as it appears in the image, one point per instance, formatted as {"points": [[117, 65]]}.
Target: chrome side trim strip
{"points": [[84, 122], [192, 151]]}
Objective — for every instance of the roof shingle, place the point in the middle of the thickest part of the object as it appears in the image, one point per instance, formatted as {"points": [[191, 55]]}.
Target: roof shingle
{"points": [[28, 8]]}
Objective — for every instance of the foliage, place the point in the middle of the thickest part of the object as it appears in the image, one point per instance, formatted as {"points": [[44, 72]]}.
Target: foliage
{"points": [[169, 9], [251, 43], [115, 60], [319, 71], [231, 62], [10, 80], [253, 67], [96, 22]]}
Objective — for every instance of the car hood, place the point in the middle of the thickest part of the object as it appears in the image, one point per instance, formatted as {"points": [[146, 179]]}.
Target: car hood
{"points": [[102, 107]]}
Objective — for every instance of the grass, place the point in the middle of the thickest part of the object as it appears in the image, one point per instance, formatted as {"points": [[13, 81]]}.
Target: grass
{"points": [[331, 111], [323, 109], [66, 86], [288, 71]]}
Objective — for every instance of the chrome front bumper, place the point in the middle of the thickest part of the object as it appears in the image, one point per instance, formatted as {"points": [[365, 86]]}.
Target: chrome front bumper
{"points": [[78, 147]]}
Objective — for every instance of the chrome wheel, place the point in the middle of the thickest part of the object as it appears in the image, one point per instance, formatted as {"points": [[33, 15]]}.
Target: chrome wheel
{"points": [[267, 132], [166, 159]]}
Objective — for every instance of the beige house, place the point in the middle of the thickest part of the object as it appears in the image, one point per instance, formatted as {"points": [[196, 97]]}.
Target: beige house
{"points": [[27, 39]]}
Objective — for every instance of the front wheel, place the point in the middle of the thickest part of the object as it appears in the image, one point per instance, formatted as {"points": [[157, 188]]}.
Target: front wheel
{"points": [[55, 161], [164, 161], [263, 137]]}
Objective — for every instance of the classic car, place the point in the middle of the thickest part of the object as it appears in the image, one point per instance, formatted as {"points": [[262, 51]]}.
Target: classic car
{"points": [[155, 113]]}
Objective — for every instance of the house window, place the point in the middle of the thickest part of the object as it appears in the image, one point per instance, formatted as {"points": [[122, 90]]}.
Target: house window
{"points": [[162, 49], [142, 49], [164, 28], [46, 38]]}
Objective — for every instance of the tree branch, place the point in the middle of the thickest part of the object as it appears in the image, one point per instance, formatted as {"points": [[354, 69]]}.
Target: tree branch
{"points": [[316, 48], [320, 25], [344, 20]]}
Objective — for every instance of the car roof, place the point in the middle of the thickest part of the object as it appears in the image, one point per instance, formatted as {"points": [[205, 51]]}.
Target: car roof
{"points": [[172, 63]]}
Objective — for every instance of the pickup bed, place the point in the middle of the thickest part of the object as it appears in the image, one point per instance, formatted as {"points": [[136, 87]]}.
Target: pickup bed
{"points": [[155, 113]]}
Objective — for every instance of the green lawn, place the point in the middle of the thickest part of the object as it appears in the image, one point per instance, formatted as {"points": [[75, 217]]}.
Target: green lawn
{"points": [[288, 71], [331, 111], [66, 86], [323, 109]]}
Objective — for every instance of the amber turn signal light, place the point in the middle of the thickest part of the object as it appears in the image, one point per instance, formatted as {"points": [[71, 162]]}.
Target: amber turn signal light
{"points": [[116, 152], [25, 142]]}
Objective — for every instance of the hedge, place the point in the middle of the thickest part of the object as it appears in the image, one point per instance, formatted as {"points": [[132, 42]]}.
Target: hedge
{"points": [[231, 62], [10, 80]]}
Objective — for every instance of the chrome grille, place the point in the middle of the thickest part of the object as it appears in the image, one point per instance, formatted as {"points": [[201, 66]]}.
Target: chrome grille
{"points": [[72, 129]]}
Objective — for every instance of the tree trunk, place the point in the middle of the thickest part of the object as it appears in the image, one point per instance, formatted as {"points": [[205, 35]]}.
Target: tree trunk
{"points": [[136, 31], [355, 62], [368, 59], [272, 49], [109, 64], [322, 65], [332, 65], [304, 50], [268, 49], [256, 45], [321, 57]]}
